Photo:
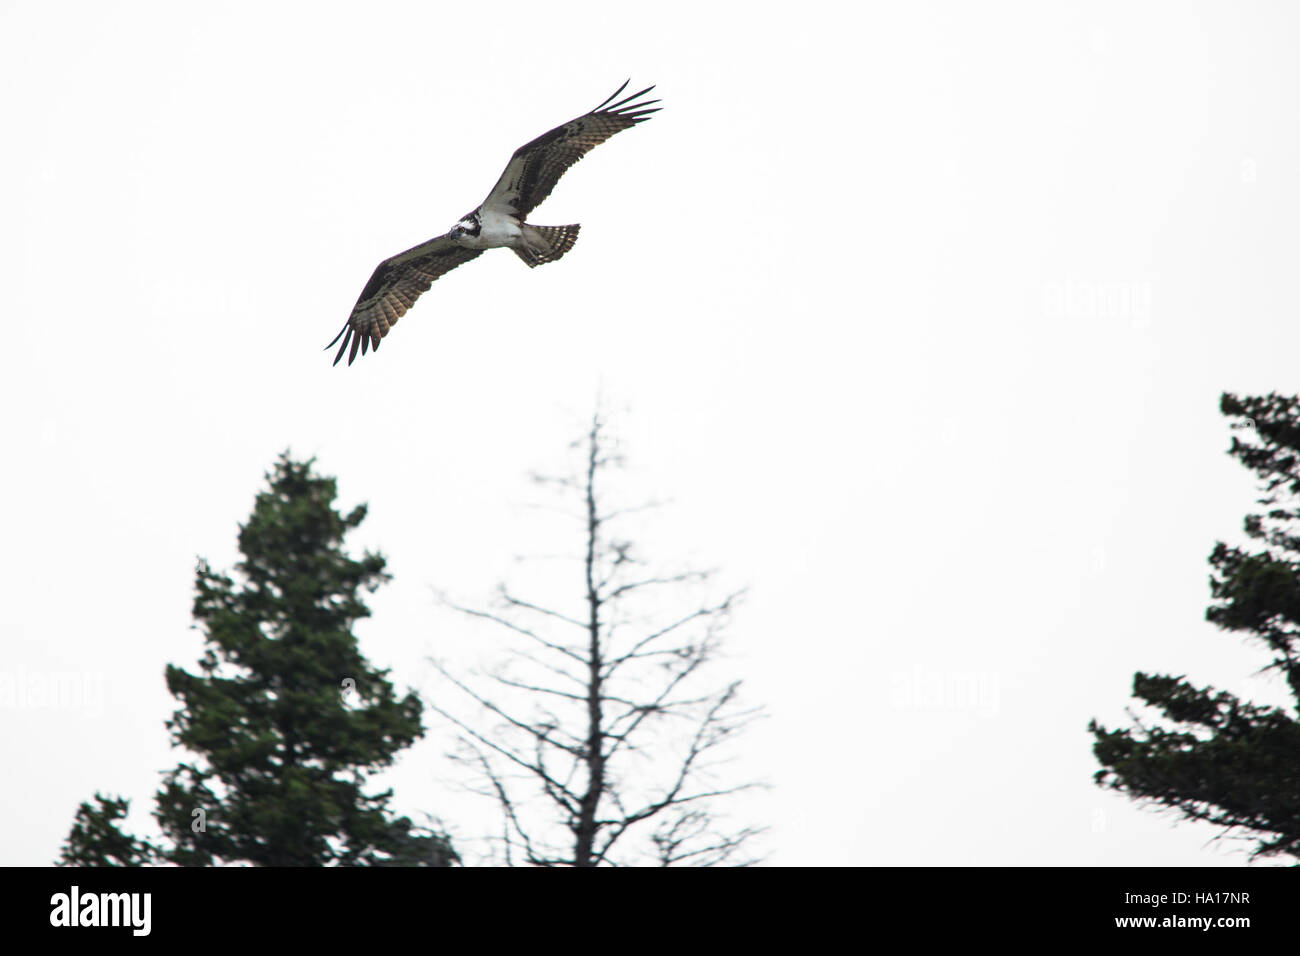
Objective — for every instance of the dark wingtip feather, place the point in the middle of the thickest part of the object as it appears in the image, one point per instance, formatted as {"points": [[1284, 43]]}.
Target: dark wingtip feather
{"points": [[342, 348], [356, 344], [616, 92], [628, 99], [640, 116], [336, 338]]}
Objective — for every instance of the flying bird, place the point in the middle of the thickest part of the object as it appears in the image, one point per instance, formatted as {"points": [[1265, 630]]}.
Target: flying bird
{"points": [[528, 179]]}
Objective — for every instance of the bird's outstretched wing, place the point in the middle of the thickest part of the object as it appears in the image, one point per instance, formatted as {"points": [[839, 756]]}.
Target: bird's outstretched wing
{"points": [[393, 289], [535, 168]]}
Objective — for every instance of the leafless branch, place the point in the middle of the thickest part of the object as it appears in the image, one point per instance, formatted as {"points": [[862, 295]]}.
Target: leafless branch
{"points": [[635, 735], [526, 605], [519, 629]]}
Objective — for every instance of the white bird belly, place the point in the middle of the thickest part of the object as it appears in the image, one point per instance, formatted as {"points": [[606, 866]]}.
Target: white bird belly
{"points": [[497, 229]]}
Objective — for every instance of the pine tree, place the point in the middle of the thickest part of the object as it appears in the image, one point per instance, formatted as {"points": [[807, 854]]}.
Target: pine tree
{"points": [[1225, 761], [97, 838], [285, 719]]}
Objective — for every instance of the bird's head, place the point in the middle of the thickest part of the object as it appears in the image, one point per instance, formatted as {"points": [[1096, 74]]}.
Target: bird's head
{"points": [[468, 226]]}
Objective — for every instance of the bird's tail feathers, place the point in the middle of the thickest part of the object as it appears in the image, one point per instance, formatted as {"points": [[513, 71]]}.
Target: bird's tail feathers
{"points": [[544, 244]]}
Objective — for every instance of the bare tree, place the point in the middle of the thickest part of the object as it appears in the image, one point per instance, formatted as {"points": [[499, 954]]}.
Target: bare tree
{"points": [[598, 733]]}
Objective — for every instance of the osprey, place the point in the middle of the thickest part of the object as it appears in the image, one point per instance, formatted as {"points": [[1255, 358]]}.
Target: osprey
{"points": [[529, 177]]}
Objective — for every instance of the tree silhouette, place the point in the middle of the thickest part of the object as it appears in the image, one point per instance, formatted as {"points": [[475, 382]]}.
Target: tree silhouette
{"points": [[97, 838], [1225, 761], [599, 735], [285, 720]]}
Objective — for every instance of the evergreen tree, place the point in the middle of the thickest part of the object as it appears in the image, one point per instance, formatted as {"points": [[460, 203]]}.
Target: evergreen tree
{"points": [[285, 718], [97, 838], [1232, 763]]}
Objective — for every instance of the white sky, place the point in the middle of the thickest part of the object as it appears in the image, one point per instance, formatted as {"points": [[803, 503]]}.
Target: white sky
{"points": [[919, 312]]}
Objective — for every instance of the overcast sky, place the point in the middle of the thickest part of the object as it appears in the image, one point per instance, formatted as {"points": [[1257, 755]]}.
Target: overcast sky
{"points": [[919, 313]]}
